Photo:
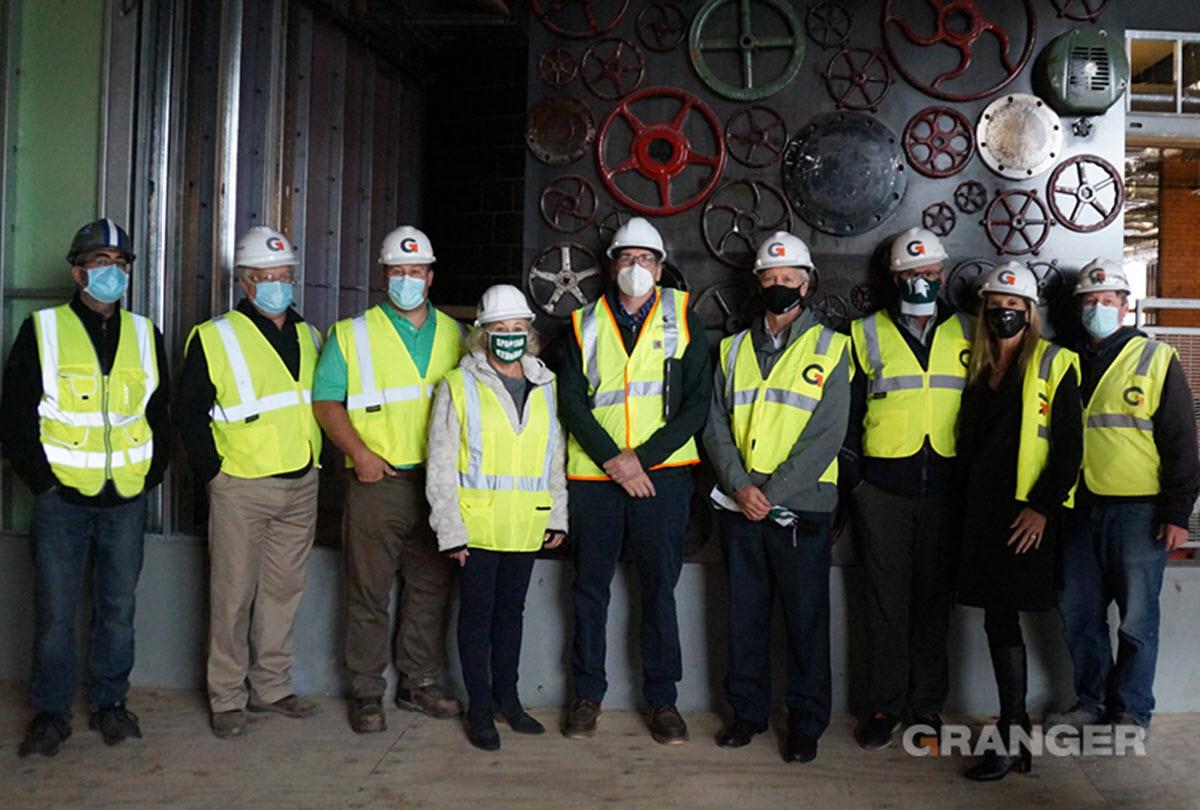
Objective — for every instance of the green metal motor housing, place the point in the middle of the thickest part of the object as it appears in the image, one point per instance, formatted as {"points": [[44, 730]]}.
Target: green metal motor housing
{"points": [[1082, 72]]}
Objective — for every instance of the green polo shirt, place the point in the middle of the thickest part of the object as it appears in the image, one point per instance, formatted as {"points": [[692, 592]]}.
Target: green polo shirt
{"points": [[330, 382]]}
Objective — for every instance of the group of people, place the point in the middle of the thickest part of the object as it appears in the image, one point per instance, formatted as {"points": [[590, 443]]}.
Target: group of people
{"points": [[985, 465]]}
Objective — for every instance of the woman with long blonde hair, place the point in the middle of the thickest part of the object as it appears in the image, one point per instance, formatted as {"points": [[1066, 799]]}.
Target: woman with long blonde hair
{"points": [[1020, 444]]}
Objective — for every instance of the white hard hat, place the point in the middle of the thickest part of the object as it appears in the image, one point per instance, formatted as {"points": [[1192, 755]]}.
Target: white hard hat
{"points": [[638, 232], [406, 245], [1100, 275], [502, 302], [916, 247], [1012, 278], [781, 249], [263, 247]]}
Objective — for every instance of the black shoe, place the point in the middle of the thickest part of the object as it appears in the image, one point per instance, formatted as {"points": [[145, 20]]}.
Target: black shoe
{"points": [[581, 719], [927, 739], [739, 733], [800, 748], [993, 766], [483, 734], [45, 735], [876, 731], [667, 726], [116, 723], [520, 720]]}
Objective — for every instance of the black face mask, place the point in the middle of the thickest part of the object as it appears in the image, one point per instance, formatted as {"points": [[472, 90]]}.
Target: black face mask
{"points": [[780, 299], [1005, 323]]}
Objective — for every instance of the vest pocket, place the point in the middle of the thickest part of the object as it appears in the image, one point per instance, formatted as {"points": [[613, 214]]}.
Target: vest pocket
{"points": [[79, 388], [127, 392], [479, 518], [64, 435]]}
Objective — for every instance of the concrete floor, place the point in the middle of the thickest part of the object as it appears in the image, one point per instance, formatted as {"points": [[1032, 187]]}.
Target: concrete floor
{"points": [[420, 762]]}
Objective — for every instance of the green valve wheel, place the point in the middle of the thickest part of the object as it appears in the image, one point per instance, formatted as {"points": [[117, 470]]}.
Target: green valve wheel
{"points": [[748, 44]]}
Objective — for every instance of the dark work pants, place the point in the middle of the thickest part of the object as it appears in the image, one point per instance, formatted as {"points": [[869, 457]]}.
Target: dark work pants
{"points": [[491, 588], [762, 560], [907, 561], [603, 519]]}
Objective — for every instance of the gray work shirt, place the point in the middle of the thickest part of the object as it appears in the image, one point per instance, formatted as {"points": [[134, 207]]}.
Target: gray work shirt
{"points": [[909, 322], [794, 483]]}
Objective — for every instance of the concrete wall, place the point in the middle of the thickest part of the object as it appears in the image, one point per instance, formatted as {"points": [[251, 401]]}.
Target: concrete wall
{"points": [[172, 614]]}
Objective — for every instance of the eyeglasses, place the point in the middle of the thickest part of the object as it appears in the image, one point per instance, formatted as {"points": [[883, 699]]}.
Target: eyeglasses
{"points": [[267, 278], [104, 261], [641, 260]]}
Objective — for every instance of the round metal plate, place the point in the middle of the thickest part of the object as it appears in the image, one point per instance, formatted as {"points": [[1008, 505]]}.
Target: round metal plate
{"points": [[560, 130], [844, 173], [1019, 136], [748, 44]]}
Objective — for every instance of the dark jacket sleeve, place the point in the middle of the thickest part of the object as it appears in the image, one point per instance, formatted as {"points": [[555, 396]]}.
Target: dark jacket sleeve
{"points": [[1175, 436], [696, 387], [196, 397], [850, 459], [573, 407], [1066, 448], [158, 415], [20, 430]]}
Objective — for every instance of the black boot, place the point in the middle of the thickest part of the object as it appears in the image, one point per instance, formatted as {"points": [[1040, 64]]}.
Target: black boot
{"points": [[1009, 664]]}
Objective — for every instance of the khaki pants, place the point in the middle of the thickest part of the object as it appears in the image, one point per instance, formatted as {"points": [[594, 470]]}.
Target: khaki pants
{"points": [[387, 530], [260, 533]]}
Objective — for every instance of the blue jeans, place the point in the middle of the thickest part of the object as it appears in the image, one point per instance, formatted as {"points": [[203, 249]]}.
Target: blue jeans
{"points": [[62, 534], [764, 560], [1110, 553], [603, 520]]}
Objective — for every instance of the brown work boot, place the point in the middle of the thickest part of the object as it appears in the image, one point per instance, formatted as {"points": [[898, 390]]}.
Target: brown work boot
{"points": [[290, 706], [428, 699], [366, 715], [667, 727], [229, 724], [581, 719]]}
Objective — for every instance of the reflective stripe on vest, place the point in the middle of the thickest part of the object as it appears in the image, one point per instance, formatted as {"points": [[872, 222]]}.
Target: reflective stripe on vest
{"points": [[503, 472], [92, 426], [1120, 457], [907, 403], [262, 420], [626, 389], [763, 432], [1047, 367]]}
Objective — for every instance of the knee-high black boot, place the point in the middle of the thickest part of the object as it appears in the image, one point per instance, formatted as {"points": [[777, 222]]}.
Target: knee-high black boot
{"points": [[1009, 664]]}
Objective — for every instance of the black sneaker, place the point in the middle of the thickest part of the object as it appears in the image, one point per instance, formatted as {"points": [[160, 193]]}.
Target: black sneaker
{"points": [[116, 723], [45, 735], [876, 731]]}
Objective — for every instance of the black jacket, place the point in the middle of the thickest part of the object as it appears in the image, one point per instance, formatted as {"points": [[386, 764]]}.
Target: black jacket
{"points": [[197, 393], [1174, 430], [20, 429]]}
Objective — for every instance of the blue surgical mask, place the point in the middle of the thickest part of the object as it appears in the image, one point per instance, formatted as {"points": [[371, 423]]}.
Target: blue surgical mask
{"points": [[1101, 320], [273, 297], [406, 292], [106, 284]]}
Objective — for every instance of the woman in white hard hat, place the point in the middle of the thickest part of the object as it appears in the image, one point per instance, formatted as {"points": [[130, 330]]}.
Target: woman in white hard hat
{"points": [[496, 485], [1020, 444]]}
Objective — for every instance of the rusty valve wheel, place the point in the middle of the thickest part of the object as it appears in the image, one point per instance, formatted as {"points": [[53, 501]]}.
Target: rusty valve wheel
{"points": [[939, 142], [862, 297], [828, 24], [1013, 214], [1091, 188], [858, 79], [564, 277], [962, 285], [970, 197], [739, 216], [725, 307], [939, 218], [558, 67], [608, 225], [753, 128], [661, 152], [833, 311], [568, 204], [1080, 10], [612, 68], [662, 26], [579, 19], [960, 25]]}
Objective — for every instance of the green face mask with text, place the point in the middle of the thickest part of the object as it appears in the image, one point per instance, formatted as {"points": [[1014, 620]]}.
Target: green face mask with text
{"points": [[508, 347]]}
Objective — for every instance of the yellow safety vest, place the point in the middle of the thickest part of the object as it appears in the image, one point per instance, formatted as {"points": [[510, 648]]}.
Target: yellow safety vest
{"points": [[1120, 457], [628, 391], [93, 426], [1047, 367], [906, 403], [387, 399], [768, 416], [262, 420], [503, 475]]}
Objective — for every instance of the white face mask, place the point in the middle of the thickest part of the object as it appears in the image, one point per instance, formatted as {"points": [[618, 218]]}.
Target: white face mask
{"points": [[635, 280]]}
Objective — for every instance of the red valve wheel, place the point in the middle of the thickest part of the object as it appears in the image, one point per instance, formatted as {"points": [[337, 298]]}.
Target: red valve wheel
{"points": [[756, 128], [939, 142], [939, 218], [579, 19], [612, 68], [858, 79], [558, 67], [568, 204], [970, 197], [1013, 214], [661, 152], [1085, 193]]}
